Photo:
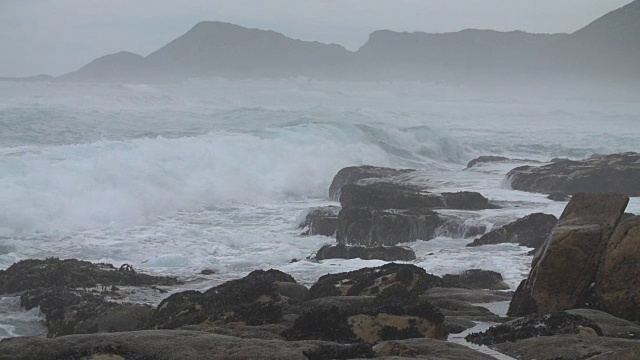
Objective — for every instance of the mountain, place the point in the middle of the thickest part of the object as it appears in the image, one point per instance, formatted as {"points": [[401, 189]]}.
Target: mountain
{"points": [[608, 48]]}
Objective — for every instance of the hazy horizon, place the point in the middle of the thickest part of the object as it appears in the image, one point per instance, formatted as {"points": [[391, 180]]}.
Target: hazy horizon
{"points": [[39, 37]]}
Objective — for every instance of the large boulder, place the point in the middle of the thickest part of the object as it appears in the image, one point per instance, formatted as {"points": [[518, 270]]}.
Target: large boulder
{"points": [[252, 300], [402, 197], [536, 325], [173, 344], [385, 253], [599, 173], [396, 313], [568, 262], [354, 174], [617, 285], [373, 228], [372, 281], [530, 231]]}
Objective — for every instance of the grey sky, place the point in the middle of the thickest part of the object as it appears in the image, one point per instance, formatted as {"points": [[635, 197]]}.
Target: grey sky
{"points": [[56, 37]]}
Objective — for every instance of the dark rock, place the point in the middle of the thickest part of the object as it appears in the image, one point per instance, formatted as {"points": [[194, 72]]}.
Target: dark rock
{"points": [[530, 231], [321, 221], [600, 173], [611, 326], [533, 326], [353, 174], [457, 227], [523, 302], [432, 349], [617, 284], [396, 313], [558, 196], [467, 295], [463, 310], [291, 290], [567, 347], [72, 273], [388, 253], [371, 281], [207, 272], [476, 279], [568, 262], [373, 228], [252, 300], [175, 344], [402, 197], [486, 159]]}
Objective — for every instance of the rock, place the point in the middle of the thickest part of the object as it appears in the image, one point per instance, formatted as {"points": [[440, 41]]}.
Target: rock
{"points": [[373, 228], [569, 260], [458, 226], [476, 279], [467, 295], [629, 354], [611, 326], [291, 290], [427, 349], [558, 196], [372, 281], [70, 311], [207, 272], [403, 197], [530, 231], [252, 300], [533, 326], [385, 253], [486, 159], [600, 174], [566, 347], [617, 286], [464, 310], [321, 221], [396, 313], [174, 344], [353, 174], [72, 273]]}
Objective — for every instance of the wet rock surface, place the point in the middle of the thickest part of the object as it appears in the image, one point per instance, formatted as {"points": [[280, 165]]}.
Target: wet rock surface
{"points": [[496, 159], [530, 231], [476, 279], [534, 326], [385, 253], [321, 221], [427, 349], [473, 296], [354, 174], [568, 347], [616, 173], [372, 281], [568, 262]]}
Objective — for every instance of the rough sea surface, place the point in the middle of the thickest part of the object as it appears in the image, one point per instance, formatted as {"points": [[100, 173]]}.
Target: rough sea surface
{"points": [[177, 178]]}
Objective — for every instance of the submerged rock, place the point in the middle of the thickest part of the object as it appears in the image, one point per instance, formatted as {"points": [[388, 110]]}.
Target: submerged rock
{"points": [[600, 173], [530, 231], [354, 174], [495, 159], [568, 262], [372, 281], [476, 279], [534, 326], [385, 253]]}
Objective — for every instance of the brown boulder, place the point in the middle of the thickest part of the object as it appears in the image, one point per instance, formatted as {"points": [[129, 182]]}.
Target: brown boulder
{"points": [[617, 286], [567, 265], [476, 279], [599, 173]]}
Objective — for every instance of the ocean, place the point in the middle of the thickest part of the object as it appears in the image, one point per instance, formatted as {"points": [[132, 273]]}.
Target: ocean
{"points": [[217, 174]]}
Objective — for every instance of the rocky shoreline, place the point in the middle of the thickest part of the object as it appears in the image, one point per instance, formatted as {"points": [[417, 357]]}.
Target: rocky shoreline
{"points": [[581, 299]]}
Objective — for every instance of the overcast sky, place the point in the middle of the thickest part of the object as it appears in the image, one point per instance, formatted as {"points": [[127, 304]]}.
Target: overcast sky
{"points": [[56, 37]]}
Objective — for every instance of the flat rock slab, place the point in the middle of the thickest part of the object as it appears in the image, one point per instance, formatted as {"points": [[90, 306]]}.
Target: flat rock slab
{"points": [[427, 349], [385, 253], [174, 344], [611, 326], [600, 173], [468, 295], [566, 347]]}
